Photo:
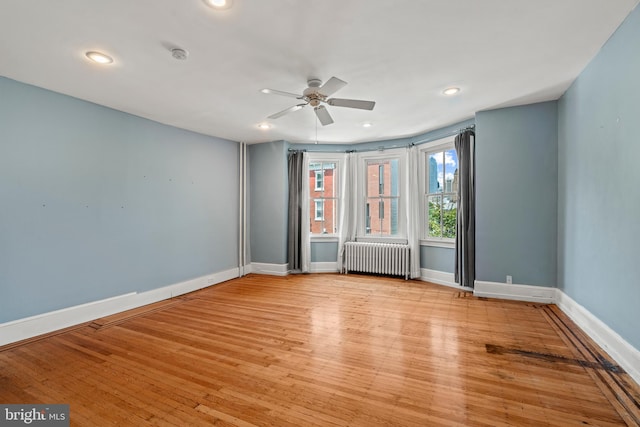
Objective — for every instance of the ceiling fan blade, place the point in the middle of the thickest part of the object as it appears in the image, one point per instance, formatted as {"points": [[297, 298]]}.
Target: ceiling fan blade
{"points": [[351, 103], [280, 92], [287, 111], [332, 85], [323, 115]]}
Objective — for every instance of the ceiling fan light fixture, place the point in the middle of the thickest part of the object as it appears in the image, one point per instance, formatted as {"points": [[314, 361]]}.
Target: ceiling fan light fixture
{"points": [[219, 4], [451, 91], [99, 57], [264, 126], [265, 90]]}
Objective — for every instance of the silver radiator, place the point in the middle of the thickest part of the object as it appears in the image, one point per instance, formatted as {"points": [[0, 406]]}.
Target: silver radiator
{"points": [[380, 258]]}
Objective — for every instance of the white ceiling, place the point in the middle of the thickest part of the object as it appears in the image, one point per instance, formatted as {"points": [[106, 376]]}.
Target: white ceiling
{"points": [[399, 53]]}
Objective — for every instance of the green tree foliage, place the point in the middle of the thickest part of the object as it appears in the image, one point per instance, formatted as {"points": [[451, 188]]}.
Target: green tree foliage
{"points": [[442, 220]]}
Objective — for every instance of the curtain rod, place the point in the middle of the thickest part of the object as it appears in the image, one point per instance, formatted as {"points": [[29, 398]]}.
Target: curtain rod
{"points": [[445, 134], [390, 147]]}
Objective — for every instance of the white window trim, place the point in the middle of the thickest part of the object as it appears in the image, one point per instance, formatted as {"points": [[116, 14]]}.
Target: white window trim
{"points": [[396, 153], [326, 158], [425, 150], [324, 238], [438, 242]]}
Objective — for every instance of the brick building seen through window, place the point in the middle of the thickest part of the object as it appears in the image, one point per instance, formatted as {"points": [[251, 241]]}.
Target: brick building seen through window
{"points": [[382, 201], [323, 197], [383, 197]]}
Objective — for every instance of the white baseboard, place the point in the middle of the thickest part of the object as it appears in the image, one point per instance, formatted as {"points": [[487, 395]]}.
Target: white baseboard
{"points": [[541, 294], [244, 270], [627, 356], [323, 267], [21, 329], [438, 277], [270, 269]]}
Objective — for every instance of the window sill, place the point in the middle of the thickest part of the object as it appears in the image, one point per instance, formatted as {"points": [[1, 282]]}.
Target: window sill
{"points": [[382, 240], [438, 243], [324, 238]]}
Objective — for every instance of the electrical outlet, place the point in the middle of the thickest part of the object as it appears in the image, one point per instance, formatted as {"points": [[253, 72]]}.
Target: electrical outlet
{"points": [[509, 280]]}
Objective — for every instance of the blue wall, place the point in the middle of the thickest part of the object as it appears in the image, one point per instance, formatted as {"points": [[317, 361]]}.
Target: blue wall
{"points": [[598, 186], [516, 194], [268, 189], [437, 258], [324, 251], [97, 203]]}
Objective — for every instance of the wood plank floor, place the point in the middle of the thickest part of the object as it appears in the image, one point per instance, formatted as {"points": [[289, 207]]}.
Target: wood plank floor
{"points": [[325, 350]]}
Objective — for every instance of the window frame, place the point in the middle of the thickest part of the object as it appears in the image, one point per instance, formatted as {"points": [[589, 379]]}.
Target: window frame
{"points": [[339, 162], [426, 150], [362, 196]]}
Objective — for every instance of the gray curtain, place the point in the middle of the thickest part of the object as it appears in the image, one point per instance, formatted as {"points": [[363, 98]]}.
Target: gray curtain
{"points": [[465, 264], [296, 165]]}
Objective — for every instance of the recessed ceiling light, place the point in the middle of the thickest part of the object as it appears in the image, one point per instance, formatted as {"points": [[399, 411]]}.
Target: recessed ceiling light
{"points": [[99, 57], [264, 126], [367, 125], [219, 4], [451, 91], [265, 91]]}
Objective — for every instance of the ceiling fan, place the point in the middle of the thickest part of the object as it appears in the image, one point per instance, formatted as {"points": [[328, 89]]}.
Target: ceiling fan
{"points": [[316, 94]]}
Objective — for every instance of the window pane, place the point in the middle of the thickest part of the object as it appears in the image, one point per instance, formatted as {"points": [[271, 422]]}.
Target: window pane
{"points": [[435, 215], [441, 192], [330, 180], [449, 211], [442, 172], [330, 216], [373, 183], [323, 195], [374, 215], [324, 216], [435, 162], [315, 177], [383, 177], [382, 216], [316, 225], [395, 214], [450, 171]]}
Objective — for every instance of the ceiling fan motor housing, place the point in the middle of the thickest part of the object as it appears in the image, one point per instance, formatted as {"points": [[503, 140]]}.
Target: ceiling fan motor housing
{"points": [[311, 94], [314, 82]]}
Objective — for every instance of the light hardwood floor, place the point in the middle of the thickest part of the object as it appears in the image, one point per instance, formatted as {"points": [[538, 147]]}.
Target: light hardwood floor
{"points": [[325, 350]]}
